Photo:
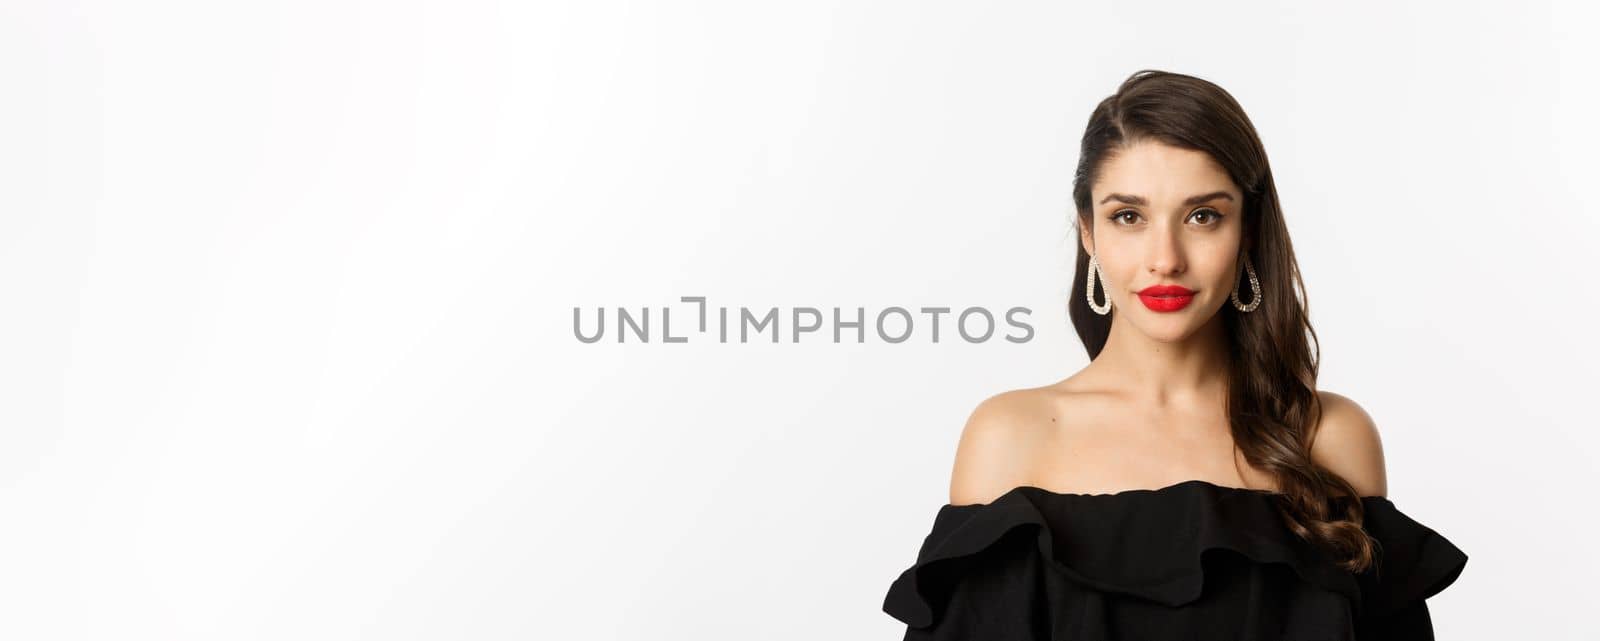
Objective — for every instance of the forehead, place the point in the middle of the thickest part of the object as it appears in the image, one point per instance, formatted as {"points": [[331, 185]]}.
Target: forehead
{"points": [[1161, 173]]}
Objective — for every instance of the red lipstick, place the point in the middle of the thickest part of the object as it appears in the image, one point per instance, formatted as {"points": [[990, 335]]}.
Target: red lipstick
{"points": [[1166, 298]]}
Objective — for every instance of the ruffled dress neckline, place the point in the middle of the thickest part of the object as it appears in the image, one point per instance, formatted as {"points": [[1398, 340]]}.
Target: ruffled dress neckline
{"points": [[1080, 562], [1137, 492]]}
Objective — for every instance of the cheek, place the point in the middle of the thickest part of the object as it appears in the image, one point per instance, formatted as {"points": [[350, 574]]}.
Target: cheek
{"points": [[1218, 274]]}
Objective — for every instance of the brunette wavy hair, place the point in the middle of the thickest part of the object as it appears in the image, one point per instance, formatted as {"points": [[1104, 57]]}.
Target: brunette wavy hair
{"points": [[1272, 402]]}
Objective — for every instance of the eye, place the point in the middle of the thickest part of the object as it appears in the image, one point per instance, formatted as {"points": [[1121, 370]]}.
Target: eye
{"points": [[1212, 214], [1116, 216]]}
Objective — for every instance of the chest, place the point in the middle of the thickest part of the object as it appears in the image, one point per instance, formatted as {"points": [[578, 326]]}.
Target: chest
{"points": [[1109, 452]]}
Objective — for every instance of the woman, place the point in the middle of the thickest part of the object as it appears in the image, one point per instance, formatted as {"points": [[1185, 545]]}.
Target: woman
{"points": [[1191, 482]]}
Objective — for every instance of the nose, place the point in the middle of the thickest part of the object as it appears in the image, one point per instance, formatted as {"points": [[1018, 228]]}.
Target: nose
{"points": [[1165, 254]]}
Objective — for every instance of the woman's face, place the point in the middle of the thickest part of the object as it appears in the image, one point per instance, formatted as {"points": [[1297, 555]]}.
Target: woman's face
{"points": [[1164, 215]]}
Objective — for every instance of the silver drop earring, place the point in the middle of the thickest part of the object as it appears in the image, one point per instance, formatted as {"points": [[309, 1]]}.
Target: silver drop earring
{"points": [[1255, 288], [1094, 268]]}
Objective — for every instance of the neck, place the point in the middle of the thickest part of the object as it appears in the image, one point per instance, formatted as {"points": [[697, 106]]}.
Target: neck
{"points": [[1160, 374]]}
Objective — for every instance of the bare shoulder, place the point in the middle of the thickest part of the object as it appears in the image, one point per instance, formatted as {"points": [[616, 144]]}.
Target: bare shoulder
{"points": [[992, 455], [1346, 442]]}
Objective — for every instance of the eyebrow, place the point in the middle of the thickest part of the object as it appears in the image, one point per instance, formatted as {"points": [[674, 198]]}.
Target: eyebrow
{"points": [[1140, 200]]}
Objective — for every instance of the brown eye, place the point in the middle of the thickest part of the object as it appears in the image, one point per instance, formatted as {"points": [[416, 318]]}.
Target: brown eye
{"points": [[1211, 214], [1115, 217]]}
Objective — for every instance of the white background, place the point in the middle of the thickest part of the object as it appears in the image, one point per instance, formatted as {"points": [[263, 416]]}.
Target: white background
{"points": [[287, 345]]}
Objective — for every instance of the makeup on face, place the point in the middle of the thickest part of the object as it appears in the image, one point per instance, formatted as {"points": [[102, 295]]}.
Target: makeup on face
{"points": [[1166, 298]]}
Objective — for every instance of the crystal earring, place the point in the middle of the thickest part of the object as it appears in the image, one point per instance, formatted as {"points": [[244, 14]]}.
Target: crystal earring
{"points": [[1255, 288], [1094, 268]]}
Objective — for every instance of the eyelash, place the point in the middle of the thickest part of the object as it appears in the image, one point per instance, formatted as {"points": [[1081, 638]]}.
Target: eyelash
{"points": [[1209, 211]]}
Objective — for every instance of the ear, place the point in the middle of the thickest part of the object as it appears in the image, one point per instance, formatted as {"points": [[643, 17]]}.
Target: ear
{"points": [[1086, 234]]}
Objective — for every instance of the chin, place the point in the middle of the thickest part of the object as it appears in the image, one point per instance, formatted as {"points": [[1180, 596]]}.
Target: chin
{"points": [[1168, 332]]}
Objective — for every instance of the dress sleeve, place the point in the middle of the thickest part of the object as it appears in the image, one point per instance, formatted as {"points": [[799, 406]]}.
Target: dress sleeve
{"points": [[979, 575], [1414, 562]]}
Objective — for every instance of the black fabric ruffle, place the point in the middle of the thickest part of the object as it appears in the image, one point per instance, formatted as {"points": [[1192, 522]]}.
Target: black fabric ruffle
{"points": [[1189, 561]]}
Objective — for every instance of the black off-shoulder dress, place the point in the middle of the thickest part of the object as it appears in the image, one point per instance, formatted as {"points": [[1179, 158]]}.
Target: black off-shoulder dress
{"points": [[1192, 561]]}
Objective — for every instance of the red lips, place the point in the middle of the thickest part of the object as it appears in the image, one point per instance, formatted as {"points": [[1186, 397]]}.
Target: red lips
{"points": [[1166, 298]]}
